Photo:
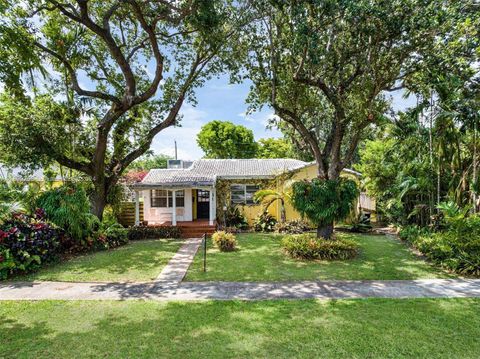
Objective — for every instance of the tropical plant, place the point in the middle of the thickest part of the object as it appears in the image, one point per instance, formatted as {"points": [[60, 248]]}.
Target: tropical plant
{"points": [[27, 243], [235, 218], [295, 226], [226, 242], [68, 207], [264, 222], [308, 246], [269, 196], [324, 201]]}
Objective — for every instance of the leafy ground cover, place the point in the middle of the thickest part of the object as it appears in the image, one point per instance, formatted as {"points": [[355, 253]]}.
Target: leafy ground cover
{"points": [[137, 261], [373, 328], [259, 257]]}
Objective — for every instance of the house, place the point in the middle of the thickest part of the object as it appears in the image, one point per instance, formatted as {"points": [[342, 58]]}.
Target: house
{"points": [[202, 190]]}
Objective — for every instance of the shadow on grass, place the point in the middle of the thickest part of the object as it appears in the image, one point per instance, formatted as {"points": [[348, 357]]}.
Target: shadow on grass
{"points": [[261, 258], [285, 329]]}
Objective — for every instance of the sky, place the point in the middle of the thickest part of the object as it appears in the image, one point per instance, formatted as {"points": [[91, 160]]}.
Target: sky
{"points": [[219, 100]]}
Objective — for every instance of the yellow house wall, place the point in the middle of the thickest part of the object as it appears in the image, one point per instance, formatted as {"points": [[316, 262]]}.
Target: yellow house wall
{"points": [[309, 172]]}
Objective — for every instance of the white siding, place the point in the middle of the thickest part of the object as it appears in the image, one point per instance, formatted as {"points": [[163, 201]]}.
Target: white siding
{"points": [[160, 215]]}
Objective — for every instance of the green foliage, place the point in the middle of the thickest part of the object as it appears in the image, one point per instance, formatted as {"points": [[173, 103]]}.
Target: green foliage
{"points": [[223, 139], [68, 207], [226, 242], [361, 224], [275, 148], [264, 222], [235, 218], [153, 232], [149, 161], [324, 201], [456, 247], [308, 246], [296, 226], [27, 243], [411, 233]]}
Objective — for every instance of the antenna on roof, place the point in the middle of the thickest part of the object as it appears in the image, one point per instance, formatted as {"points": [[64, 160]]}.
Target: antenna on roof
{"points": [[175, 149]]}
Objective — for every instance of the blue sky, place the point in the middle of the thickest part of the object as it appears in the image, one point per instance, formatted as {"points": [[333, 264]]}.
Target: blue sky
{"points": [[219, 100]]}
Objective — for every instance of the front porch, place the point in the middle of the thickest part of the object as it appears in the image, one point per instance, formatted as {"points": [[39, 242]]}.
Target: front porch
{"points": [[193, 207]]}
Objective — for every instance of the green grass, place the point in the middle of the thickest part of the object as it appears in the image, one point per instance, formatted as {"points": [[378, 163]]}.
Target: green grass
{"points": [[374, 328], [136, 261], [260, 258]]}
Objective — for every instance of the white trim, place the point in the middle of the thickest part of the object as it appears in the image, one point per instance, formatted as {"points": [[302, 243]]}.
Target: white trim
{"points": [[137, 208], [174, 207]]}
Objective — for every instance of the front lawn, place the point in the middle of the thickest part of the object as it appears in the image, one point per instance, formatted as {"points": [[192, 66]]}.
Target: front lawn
{"points": [[260, 258], [373, 328], [136, 261]]}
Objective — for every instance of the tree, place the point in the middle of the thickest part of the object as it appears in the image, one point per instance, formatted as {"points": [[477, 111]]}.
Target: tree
{"points": [[270, 196], [324, 67], [150, 161], [104, 62], [274, 148], [223, 139]]}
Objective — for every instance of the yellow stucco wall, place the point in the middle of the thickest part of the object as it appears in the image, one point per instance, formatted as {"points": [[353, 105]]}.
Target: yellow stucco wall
{"points": [[308, 172]]}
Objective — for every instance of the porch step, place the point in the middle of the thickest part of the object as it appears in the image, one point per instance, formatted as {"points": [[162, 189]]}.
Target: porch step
{"points": [[195, 232]]}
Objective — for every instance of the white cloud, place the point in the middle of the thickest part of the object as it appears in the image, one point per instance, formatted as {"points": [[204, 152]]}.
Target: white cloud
{"points": [[185, 135]]}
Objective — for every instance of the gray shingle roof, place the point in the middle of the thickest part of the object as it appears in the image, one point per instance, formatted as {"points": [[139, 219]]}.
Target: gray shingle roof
{"points": [[205, 172]]}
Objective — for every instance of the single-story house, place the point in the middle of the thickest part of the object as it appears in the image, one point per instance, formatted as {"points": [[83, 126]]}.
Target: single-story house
{"points": [[202, 190]]}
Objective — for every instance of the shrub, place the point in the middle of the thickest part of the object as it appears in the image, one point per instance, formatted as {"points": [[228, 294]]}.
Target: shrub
{"points": [[234, 218], [361, 224], [226, 242], [153, 232], [68, 207], [457, 248], [308, 246], [295, 226], [264, 222], [410, 234], [26, 243], [111, 235]]}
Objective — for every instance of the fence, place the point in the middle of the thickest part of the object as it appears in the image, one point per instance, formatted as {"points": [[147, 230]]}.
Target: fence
{"points": [[127, 213]]}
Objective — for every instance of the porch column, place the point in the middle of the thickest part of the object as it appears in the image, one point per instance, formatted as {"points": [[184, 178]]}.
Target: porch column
{"points": [[137, 208], [211, 206], [174, 208]]}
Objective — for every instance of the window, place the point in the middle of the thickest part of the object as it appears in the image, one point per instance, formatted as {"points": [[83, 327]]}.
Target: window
{"points": [[163, 198], [242, 194]]}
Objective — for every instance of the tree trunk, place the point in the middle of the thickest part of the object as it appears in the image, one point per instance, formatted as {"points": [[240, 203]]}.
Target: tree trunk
{"points": [[99, 201], [325, 232]]}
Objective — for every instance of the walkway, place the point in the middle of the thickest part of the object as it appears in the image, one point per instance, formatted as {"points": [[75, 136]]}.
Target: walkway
{"points": [[177, 267], [427, 288]]}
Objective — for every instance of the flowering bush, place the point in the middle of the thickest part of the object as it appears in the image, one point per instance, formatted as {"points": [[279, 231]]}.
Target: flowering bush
{"points": [[26, 243]]}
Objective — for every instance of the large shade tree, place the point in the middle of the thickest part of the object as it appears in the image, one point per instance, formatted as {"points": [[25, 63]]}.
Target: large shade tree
{"points": [[224, 139], [104, 77], [324, 67]]}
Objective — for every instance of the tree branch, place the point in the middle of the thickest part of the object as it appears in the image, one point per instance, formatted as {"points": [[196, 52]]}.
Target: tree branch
{"points": [[74, 79]]}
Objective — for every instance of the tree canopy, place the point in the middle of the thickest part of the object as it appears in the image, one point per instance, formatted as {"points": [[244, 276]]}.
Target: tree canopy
{"points": [[224, 139], [95, 81]]}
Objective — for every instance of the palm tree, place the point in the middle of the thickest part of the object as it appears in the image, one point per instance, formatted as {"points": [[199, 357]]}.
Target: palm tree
{"points": [[270, 196]]}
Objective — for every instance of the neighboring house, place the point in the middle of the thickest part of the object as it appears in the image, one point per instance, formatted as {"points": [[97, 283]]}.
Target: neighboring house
{"points": [[204, 189], [28, 176]]}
